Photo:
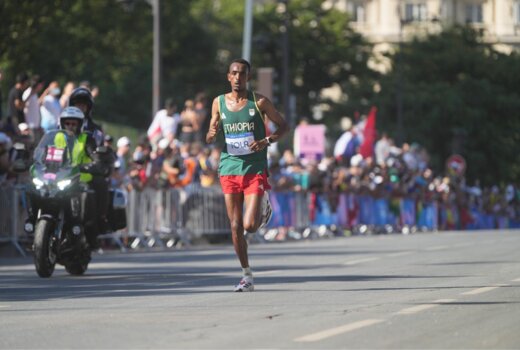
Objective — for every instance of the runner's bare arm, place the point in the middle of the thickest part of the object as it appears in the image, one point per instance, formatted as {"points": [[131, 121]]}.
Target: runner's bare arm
{"points": [[213, 124], [267, 108]]}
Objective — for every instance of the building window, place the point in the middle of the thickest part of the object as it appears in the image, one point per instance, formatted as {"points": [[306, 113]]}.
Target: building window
{"points": [[415, 12], [474, 13], [357, 11]]}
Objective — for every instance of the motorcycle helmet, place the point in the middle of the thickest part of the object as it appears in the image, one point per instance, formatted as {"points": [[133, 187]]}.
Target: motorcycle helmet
{"points": [[82, 95], [72, 113]]}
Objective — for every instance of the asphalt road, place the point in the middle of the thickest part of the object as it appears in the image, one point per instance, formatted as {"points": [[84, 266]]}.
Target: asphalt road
{"points": [[442, 291]]}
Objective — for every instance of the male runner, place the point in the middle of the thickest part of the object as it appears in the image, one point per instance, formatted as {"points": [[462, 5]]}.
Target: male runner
{"points": [[239, 116]]}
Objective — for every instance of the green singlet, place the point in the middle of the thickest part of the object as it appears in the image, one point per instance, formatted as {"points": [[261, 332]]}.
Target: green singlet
{"points": [[240, 130]]}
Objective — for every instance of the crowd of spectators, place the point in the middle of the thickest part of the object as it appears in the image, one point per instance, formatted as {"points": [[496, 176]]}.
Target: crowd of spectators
{"points": [[173, 154], [33, 107]]}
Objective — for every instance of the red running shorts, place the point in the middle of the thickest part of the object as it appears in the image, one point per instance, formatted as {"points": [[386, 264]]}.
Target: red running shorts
{"points": [[247, 184]]}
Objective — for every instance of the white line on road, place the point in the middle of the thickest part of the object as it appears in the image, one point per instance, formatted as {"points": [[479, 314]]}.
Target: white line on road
{"points": [[422, 307], [460, 245], [337, 331], [359, 261], [399, 254], [439, 247], [269, 272], [516, 280], [484, 289]]}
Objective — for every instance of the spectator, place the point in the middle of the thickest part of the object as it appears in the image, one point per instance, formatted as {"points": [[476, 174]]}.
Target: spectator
{"points": [[208, 165], [123, 148], [95, 91], [25, 136], [32, 103], [348, 143], [108, 141], [202, 116], [189, 123], [67, 91], [15, 100], [165, 123], [157, 161], [138, 173], [51, 109], [172, 167], [5, 147], [188, 152], [382, 149]]}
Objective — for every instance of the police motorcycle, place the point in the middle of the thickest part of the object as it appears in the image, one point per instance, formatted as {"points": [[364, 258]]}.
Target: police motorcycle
{"points": [[64, 208]]}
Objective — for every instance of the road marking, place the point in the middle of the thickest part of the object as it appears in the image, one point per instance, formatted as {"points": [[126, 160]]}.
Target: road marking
{"points": [[337, 331], [269, 272], [422, 307], [463, 245], [399, 254], [439, 247], [516, 280], [359, 261], [484, 289]]}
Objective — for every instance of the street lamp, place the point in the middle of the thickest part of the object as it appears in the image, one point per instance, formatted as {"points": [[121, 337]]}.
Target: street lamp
{"points": [[128, 5], [156, 84], [399, 89], [248, 29], [285, 62]]}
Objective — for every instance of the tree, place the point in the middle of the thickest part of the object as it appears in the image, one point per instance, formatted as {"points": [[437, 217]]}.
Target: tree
{"points": [[108, 43], [459, 97], [81, 40]]}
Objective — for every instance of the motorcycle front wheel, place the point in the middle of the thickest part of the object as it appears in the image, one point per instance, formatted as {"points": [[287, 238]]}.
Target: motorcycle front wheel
{"points": [[76, 269], [44, 257]]}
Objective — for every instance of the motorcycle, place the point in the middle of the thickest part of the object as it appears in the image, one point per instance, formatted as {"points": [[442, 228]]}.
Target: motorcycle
{"points": [[64, 208]]}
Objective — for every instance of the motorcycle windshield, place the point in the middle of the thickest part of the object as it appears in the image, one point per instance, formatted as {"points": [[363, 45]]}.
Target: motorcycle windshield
{"points": [[53, 155]]}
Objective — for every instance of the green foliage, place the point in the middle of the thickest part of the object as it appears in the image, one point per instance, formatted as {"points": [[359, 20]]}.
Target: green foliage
{"points": [[323, 49], [459, 94], [459, 97]]}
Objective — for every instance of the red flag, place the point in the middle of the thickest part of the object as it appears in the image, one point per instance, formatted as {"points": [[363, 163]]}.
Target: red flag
{"points": [[369, 135]]}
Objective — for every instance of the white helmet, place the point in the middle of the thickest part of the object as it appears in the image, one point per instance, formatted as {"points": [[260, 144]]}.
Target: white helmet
{"points": [[72, 113]]}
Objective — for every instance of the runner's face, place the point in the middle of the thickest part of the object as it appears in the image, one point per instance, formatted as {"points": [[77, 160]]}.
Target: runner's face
{"points": [[238, 76]]}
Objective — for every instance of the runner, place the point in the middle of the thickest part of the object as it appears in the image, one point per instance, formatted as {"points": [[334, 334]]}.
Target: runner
{"points": [[239, 116]]}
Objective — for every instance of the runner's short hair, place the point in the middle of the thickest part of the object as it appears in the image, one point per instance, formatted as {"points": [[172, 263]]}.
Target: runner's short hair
{"points": [[242, 61]]}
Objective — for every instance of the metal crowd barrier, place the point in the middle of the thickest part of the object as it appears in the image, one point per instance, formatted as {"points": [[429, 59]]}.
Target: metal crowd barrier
{"points": [[11, 220], [168, 217], [172, 217]]}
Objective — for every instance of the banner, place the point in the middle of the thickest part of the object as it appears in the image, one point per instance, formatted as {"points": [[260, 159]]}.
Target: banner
{"points": [[309, 141]]}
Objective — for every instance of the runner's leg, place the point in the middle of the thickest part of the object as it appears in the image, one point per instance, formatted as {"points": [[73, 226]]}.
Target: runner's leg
{"points": [[234, 206], [252, 212]]}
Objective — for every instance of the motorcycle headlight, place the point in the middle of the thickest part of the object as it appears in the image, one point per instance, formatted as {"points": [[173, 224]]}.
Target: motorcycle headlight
{"points": [[38, 183], [63, 184]]}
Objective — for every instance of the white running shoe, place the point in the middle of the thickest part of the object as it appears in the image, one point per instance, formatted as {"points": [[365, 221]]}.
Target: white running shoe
{"points": [[245, 285], [266, 210]]}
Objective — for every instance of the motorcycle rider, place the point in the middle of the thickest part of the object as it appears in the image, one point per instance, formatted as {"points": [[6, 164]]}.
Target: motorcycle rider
{"points": [[96, 161], [71, 121], [102, 158]]}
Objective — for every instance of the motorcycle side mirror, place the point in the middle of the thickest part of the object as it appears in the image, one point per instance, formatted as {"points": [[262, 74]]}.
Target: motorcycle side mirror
{"points": [[21, 158]]}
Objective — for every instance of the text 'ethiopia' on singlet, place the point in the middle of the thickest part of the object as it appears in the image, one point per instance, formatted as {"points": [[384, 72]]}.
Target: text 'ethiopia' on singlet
{"points": [[240, 129]]}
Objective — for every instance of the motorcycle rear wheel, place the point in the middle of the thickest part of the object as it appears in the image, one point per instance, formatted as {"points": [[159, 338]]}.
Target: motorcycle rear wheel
{"points": [[44, 257]]}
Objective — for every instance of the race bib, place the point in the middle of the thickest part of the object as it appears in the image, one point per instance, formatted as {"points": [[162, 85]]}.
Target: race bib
{"points": [[238, 144]]}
